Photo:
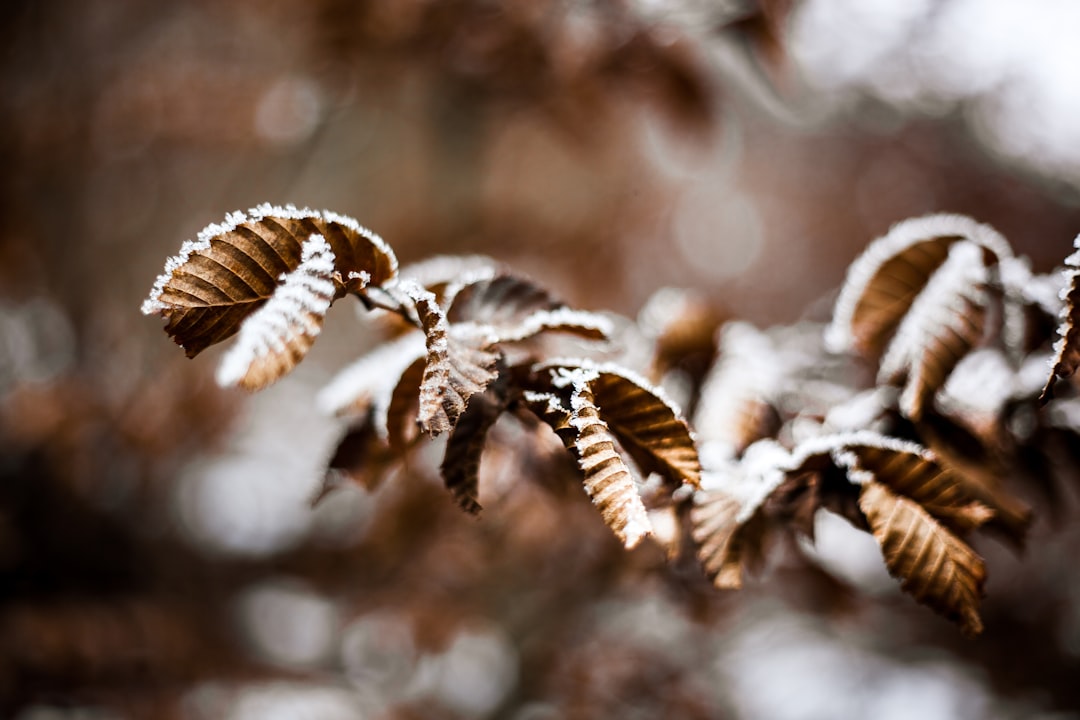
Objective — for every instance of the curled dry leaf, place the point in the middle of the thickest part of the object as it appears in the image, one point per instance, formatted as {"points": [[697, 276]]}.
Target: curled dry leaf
{"points": [[1067, 347], [682, 326], [914, 472], [770, 487], [403, 407], [647, 425], [718, 535], [510, 309], [1030, 305], [883, 282], [362, 456], [383, 386], [932, 564], [583, 324], [457, 366], [728, 522], [461, 463], [234, 267], [500, 299], [607, 481], [978, 391], [945, 322], [279, 334], [439, 273]]}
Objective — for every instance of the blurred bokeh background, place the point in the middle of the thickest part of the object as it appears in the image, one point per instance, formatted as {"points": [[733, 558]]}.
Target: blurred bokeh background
{"points": [[158, 553]]}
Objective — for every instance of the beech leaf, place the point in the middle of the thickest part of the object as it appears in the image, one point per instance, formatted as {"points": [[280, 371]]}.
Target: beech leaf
{"points": [[682, 326], [445, 275], [500, 299], [883, 282], [915, 473], [403, 406], [982, 472], [584, 324], [727, 522], [647, 425], [371, 379], [718, 533], [232, 268], [1067, 348], [278, 335], [464, 447], [513, 308], [932, 564], [457, 367], [608, 481], [362, 456], [945, 322]]}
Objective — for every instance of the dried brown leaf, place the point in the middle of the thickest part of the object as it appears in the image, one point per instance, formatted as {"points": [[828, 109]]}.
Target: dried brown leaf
{"points": [[607, 481], [726, 545], [233, 268], [279, 334], [982, 471], [500, 300], [461, 463], [715, 527], [583, 324], [916, 474], [946, 321], [371, 379], [648, 426], [683, 326], [403, 407], [362, 456], [457, 367], [1067, 348], [884, 281], [447, 272], [730, 520], [511, 309], [888, 293], [932, 564]]}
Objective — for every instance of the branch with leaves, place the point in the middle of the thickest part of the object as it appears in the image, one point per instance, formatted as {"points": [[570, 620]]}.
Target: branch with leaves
{"points": [[912, 415]]}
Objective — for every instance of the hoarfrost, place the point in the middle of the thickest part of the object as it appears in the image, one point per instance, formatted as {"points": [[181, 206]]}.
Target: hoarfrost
{"points": [[294, 310]]}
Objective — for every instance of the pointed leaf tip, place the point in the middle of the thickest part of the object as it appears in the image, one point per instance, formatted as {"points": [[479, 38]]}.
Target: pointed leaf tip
{"points": [[932, 564]]}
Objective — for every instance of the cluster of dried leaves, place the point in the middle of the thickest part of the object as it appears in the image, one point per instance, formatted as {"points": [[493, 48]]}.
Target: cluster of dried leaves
{"points": [[788, 422]]}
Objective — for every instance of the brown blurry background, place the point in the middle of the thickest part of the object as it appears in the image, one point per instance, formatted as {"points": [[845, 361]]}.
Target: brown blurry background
{"points": [[158, 555]]}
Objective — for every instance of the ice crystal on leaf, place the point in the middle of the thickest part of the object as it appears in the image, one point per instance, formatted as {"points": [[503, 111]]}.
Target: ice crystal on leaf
{"points": [[277, 336]]}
